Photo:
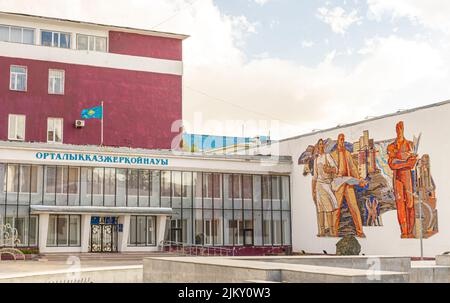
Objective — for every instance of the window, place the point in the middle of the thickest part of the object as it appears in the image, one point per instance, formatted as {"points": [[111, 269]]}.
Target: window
{"points": [[55, 39], [211, 185], [56, 82], [165, 184], [54, 130], [16, 127], [64, 230], [23, 179], [18, 78], [91, 43], [16, 34], [26, 229], [62, 180], [142, 231]]}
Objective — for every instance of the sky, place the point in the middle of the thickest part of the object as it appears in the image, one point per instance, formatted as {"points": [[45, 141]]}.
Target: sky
{"points": [[287, 67]]}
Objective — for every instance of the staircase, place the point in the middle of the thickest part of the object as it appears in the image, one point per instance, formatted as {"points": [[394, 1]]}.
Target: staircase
{"points": [[128, 256]]}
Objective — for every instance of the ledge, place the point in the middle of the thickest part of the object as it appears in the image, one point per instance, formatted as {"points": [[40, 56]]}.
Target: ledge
{"points": [[45, 209]]}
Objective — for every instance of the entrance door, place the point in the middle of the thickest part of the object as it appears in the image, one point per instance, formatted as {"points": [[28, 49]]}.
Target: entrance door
{"points": [[103, 237]]}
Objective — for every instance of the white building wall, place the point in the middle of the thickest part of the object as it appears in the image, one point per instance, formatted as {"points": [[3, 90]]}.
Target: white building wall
{"points": [[434, 124]]}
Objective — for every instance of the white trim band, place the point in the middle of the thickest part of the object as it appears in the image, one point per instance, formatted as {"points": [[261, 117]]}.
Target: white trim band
{"points": [[97, 59]]}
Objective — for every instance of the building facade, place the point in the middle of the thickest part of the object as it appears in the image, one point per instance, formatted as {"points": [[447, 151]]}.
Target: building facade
{"points": [[63, 198], [53, 69], [388, 178], [62, 191]]}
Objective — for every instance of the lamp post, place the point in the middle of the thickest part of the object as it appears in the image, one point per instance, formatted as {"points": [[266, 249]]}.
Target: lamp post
{"points": [[419, 197], [421, 227]]}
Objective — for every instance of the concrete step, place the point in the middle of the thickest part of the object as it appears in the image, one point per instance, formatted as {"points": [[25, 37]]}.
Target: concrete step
{"points": [[105, 256]]}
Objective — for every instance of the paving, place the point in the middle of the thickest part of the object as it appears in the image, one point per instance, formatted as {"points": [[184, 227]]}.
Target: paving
{"points": [[165, 267], [8, 268]]}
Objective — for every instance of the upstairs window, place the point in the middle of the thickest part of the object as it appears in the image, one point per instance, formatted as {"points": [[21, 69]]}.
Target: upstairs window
{"points": [[91, 43], [56, 82], [55, 39], [54, 130], [16, 34], [16, 127], [18, 78]]}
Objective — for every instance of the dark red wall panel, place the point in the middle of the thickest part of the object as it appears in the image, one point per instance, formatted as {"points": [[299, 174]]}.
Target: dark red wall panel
{"points": [[140, 107], [145, 46]]}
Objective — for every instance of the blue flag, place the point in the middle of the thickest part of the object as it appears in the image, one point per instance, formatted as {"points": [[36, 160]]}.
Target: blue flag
{"points": [[92, 113]]}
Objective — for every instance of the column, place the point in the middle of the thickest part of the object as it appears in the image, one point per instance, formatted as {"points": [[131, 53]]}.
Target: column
{"points": [[123, 236], [43, 231], [85, 232], [160, 229]]}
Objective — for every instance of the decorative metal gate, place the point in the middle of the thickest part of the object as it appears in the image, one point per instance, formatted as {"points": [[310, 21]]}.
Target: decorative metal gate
{"points": [[103, 237]]}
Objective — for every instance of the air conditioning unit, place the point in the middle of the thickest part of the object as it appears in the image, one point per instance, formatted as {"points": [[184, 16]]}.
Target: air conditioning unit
{"points": [[79, 123]]}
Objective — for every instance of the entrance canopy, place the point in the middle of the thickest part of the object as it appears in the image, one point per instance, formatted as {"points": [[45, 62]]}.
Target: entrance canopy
{"points": [[45, 209]]}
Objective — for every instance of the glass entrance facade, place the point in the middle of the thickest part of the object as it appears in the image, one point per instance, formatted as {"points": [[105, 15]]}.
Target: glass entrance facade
{"points": [[210, 208]]}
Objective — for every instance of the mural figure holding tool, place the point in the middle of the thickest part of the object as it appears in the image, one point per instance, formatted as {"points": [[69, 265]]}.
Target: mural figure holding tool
{"points": [[402, 160]]}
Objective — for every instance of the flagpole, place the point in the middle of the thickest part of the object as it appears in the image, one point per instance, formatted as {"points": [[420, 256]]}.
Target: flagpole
{"points": [[102, 125]]}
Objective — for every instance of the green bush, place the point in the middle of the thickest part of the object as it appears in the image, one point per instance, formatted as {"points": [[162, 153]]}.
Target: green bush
{"points": [[29, 251]]}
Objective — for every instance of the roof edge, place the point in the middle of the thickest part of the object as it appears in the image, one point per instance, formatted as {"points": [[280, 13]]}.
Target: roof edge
{"points": [[126, 28], [398, 113]]}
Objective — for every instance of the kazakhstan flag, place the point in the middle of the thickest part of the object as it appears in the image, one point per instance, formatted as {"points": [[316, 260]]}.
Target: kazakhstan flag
{"points": [[92, 113]]}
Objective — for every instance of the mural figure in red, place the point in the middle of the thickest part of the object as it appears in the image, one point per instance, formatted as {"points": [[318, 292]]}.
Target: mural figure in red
{"points": [[402, 161]]}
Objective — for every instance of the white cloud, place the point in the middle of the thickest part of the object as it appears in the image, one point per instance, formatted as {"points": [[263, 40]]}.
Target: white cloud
{"points": [[393, 73], [260, 2], [430, 13], [338, 19], [307, 44]]}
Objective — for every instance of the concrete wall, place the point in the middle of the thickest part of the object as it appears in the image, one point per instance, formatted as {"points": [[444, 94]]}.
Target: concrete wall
{"points": [[400, 264], [239, 270], [117, 274], [164, 271], [433, 123]]}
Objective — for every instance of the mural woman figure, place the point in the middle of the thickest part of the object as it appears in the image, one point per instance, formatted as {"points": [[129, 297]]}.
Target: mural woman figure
{"points": [[323, 195]]}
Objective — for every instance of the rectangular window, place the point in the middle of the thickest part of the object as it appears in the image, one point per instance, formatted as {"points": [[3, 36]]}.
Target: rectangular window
{"points": [[176, 184], [165, 184], [56, 82], [110, 181], [18, 78], [62, 180], [247, 182], [267, 228], [25, 228], [12, 178], [97, 186], [28, 181], [16, 34], [55, 39], [64, 230], [16, 127], [276, 201], [142, 231], [133, 187], [237, 191], [144, 187], [91, 43], [54, 130], [4, 33]]}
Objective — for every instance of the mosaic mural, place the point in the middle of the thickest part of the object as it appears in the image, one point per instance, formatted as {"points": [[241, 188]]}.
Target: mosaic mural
{"points": [[353, 184]]}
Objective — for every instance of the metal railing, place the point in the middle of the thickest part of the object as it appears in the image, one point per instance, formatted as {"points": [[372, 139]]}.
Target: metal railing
{"points": [[195, 249]]}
